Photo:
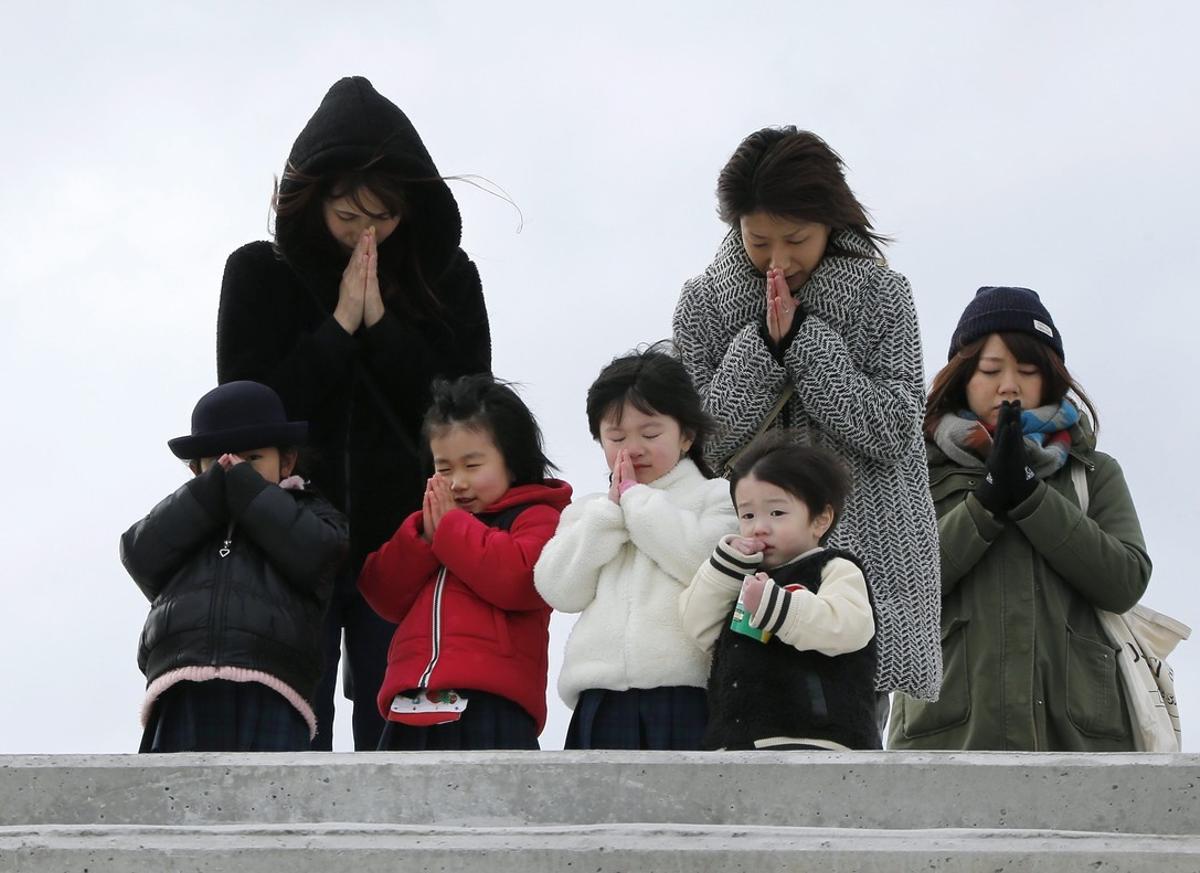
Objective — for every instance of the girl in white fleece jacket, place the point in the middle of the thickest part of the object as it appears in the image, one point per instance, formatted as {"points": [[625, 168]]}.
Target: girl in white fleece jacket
{"points": [[622, 558]]}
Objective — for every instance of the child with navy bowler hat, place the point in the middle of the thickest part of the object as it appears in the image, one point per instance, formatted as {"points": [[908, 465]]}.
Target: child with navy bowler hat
{"points": [[238, 565]]}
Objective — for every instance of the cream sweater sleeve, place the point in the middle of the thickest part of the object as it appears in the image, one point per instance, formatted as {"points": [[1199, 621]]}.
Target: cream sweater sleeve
{"points": [[706, 602], [836, 620]]}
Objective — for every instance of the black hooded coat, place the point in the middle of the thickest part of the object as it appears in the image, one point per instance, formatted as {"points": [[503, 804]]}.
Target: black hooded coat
{"points": [[363, 395]]}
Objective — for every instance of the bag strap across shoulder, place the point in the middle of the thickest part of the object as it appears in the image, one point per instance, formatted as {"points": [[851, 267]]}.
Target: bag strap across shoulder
{"points": [[772, 414]]}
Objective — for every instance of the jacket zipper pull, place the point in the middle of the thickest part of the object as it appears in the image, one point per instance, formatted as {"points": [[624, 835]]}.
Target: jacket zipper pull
{"points": [[224, 550]]}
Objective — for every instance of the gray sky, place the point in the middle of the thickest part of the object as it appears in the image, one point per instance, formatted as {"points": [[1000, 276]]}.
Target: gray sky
{"points": [[1026, 143]]}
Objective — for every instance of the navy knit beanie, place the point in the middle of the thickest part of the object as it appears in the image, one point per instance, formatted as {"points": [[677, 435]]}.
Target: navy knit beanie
{"points": [[1002, 310]]}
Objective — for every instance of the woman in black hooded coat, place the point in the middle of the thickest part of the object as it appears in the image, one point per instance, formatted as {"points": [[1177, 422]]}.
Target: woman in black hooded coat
{"points": [[361, 301]]}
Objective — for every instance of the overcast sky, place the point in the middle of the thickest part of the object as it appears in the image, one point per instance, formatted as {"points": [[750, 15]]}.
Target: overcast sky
{"points": [[1051, 145]]}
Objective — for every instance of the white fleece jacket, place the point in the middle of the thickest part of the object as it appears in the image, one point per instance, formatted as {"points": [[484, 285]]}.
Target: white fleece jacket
{"points": [[624, 567]]}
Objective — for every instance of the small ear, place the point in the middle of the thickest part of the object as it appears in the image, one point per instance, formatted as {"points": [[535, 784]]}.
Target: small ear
{"points": [[823, 522], [689, 437], [287, 463]]}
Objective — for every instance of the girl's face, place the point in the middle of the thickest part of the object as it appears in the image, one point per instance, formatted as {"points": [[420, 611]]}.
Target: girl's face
{"points": [[778, 519], [655, 443], [793, 246], [346, 220], [998, 377], [468, 459]]}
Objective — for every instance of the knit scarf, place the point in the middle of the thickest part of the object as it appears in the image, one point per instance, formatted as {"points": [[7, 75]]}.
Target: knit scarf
{"points": [[967, 440]]}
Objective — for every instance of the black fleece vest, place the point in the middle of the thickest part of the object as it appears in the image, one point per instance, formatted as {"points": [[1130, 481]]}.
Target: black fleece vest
{"points": [[758, 690]]}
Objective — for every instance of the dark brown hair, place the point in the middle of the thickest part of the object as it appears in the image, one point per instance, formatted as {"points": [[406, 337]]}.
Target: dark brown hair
{"points": [[948, 393], [481, 402], [793, 174], [814, 476], [656, 383]]}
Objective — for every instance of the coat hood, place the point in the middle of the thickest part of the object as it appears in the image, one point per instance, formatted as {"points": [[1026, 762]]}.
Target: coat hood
{"points": [[355, 125]]}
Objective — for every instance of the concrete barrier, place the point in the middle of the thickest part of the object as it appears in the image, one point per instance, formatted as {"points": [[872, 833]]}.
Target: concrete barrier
{"points": [[890, 812], [662, 849]]}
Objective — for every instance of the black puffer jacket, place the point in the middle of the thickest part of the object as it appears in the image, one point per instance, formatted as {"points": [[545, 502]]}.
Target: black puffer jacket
{"points": [[258, 606], [275, 323]]}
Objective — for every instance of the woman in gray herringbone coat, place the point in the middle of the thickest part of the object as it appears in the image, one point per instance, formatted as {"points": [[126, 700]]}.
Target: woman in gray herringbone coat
{"points": [[799, 308]]}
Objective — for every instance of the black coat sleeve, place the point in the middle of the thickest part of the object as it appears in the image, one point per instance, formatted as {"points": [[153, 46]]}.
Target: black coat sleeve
{"points": [[305, 538], [259, 336], [404, 357], [158, 545]]}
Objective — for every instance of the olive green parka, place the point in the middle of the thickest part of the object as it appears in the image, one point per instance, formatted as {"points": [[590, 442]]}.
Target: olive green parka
{"points": [[1026, 664]]}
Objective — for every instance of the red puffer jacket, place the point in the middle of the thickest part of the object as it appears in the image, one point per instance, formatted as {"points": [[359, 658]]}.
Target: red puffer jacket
{"points": [[468, 614]]}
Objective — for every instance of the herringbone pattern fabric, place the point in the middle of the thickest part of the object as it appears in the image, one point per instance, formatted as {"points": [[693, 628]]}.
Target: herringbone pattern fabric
{"points": [[857, 368]]}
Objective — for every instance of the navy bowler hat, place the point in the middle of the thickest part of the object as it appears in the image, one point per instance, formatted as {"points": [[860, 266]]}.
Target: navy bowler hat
{"points": [[1003, 310], [234, 417]]}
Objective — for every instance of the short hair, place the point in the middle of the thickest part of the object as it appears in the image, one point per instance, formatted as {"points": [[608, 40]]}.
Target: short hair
{"points": [[482, 402], [656, 383], [815, 476]]}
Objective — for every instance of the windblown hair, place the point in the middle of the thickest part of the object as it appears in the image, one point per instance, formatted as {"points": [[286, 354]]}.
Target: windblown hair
{"points": [[792, 173], [948, 392], [483, 403], [656, 383], [813, 475]]}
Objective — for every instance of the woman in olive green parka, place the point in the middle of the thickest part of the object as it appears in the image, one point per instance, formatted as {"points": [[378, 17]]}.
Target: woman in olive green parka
{"points": [[1026, 664]]}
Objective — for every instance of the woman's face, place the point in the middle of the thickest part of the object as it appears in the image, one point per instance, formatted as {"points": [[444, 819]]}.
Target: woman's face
{"points": [[998, 377], [346, 220], [790, 245]]}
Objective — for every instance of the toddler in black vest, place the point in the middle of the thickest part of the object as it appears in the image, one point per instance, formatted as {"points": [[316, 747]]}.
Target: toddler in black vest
{"points": [[789, 622]]}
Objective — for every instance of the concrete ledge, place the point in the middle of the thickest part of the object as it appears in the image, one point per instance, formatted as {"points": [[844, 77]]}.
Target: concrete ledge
{"points": [[1117, 794], [371, 848]]}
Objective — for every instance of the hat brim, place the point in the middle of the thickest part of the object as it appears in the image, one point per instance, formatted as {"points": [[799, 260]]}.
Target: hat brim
{"points": [[237, 439]]}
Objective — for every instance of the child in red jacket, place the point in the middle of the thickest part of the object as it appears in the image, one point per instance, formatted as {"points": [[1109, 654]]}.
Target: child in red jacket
{"points": [[467, 665]]}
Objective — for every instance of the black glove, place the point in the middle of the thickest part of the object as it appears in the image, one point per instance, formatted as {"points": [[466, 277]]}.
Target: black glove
{"points": [[1009, 479]]}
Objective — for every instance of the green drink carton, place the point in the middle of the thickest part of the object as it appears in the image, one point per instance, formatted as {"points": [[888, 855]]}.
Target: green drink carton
{"points": [[741, 623]]}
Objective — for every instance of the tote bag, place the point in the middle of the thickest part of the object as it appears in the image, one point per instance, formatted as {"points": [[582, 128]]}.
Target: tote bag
{"points": [[1145, 639]]}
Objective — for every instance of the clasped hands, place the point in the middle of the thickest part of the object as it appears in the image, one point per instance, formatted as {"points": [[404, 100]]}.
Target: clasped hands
{"points": [[623, 477], [359, 300], [782, 307], [438, 500], [1009, 479]]}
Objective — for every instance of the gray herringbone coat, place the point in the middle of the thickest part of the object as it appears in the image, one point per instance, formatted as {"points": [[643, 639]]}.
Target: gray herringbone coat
{"points": [[857, 370]]}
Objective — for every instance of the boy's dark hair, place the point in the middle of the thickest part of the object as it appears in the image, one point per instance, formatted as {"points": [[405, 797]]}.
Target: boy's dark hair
{"points": [[792, 173], [813, 475], [482, 402], [656, 383]]}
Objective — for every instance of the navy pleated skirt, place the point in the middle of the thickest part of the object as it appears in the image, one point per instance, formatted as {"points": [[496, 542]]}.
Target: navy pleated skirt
{"points": [[223, 716], [489, 722], [671, 718]]}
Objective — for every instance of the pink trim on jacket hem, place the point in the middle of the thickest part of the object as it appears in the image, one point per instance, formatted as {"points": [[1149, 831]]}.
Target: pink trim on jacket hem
{"points": [[230, 674]]}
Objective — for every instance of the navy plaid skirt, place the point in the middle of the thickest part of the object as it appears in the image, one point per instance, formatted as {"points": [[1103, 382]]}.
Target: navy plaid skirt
{"points": [[223, 716], [488, 722], [672, 718]]}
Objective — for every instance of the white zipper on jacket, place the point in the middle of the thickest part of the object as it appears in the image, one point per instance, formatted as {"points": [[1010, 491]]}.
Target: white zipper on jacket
{"points": [[436, 636], [224, 550]]}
